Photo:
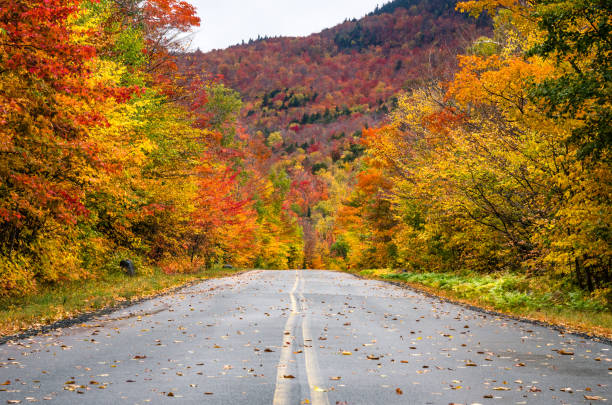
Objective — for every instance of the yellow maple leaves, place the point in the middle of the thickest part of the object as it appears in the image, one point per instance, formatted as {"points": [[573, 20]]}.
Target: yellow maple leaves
{"points": [[481, 176]]}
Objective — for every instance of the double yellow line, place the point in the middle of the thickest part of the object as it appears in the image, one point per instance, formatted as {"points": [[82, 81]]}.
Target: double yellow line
{"points": [[282, 394]]}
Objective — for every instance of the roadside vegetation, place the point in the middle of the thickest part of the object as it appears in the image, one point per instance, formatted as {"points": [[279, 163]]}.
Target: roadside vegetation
{"points": [[537, 298], [55, 302]]}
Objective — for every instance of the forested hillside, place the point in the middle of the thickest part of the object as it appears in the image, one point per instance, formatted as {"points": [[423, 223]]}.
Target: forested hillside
{"points": [[343, 73], [310, 98], [419, 138]]}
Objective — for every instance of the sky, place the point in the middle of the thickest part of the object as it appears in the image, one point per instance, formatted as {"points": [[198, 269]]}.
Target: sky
{"points": [[228, 22]]}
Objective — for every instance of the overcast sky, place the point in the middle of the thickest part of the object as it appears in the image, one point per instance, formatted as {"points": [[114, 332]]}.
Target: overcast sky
{"points": [[228, 22]]}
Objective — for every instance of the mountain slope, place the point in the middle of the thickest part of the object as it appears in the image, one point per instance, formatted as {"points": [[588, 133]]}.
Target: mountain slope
{"points": [[346, 73], [310, 98]]}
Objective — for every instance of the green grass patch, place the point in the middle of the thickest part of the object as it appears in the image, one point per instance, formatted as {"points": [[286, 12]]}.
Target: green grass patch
{"points": [[53, 303], [531, 297]]}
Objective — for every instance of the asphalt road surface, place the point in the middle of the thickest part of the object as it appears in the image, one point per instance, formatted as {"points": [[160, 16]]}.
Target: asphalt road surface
{"points": [[304, 337]]}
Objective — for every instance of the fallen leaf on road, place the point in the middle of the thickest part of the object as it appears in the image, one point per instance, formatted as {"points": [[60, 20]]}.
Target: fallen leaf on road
{"points": [[372, 357], [289, 376], [501, 389], [398, 391], [335, 378], [566, 352], [346, 353], [593, 398], [268, 350]]}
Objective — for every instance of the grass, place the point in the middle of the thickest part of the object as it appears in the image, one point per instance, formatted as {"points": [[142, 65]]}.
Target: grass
{"points": [[53, 303], [514, 294]]}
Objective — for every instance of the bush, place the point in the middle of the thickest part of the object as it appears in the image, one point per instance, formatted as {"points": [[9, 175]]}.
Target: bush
{"points": [[16, 276]]}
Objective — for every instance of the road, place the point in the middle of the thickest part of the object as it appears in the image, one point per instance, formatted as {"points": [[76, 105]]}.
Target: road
{"points": [[304, 337]]}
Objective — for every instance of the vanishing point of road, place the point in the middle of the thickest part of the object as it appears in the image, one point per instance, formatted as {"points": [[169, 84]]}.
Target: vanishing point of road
{"points": [[304, 337]]}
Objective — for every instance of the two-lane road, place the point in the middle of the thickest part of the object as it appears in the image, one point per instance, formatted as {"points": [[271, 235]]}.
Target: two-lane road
{"points": [[304, 337]]}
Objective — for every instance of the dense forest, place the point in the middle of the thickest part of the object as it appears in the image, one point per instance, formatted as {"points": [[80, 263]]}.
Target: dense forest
{"points": [[109, 152], [426, 136], [442, 137], [310, 98], [504, 167]]}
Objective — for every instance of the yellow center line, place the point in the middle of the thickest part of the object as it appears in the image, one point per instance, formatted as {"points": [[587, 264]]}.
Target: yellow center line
{"points": [[282, 393], [318, 393]]}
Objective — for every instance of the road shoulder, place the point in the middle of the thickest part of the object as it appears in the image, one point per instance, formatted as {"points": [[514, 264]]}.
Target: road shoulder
{"points": [[605, 336], [35, 326]]}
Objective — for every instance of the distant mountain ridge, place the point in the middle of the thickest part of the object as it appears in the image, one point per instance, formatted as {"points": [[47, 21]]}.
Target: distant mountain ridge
{"points": [[415, 7], [314, 89]]}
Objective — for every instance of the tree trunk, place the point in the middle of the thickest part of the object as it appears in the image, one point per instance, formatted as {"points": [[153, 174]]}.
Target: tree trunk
{"points": [[578, 273], [589, 278]]}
